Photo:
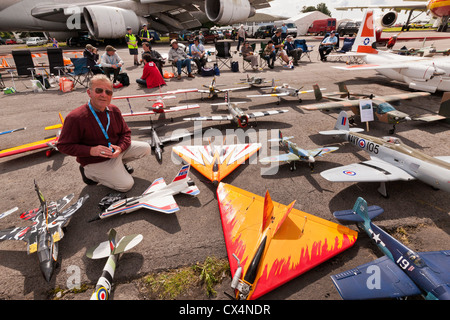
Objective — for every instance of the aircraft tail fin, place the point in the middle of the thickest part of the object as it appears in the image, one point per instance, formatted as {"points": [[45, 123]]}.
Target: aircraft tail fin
{"points": [[343, 89], [112, 246], [182, 174], [360, 212], [341, 126], [317, 92], [269, 215], [365, 41], [444, 109]]}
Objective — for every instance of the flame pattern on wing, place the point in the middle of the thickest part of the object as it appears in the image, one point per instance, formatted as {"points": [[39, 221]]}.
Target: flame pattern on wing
{"points": [[302, 242]]}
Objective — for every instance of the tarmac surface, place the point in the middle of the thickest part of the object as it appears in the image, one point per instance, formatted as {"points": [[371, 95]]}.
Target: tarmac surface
{"points": [[195, 232]]}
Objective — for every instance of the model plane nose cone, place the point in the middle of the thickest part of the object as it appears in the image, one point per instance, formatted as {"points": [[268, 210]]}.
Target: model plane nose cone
{"points": [[47, 269]]}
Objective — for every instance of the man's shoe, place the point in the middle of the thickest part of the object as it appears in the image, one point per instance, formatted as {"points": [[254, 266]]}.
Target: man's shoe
{"points": [[85, 179], [190, 75], [129, 168], [179, 77]]}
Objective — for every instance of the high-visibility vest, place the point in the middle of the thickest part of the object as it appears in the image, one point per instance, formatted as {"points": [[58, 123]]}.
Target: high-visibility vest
{"points": [[131, 38]]}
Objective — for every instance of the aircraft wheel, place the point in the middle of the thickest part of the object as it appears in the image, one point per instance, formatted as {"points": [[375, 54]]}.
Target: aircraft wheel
{"points": [[300, 100]]}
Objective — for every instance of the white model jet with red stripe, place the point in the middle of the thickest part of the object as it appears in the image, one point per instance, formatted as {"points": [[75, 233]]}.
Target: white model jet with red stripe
{"points": [[158, 197], [429, 74]]}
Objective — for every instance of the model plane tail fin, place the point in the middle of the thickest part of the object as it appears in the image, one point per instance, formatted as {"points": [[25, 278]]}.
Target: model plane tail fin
{"points": [[269, 215], [112, 246], [317, 92], [182, 174], [343, 89], [365, 41], [444, 109], [341, 126], [360, 212]]}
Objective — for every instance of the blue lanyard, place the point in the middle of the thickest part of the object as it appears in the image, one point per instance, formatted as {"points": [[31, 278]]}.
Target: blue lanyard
{"points": [[105, 132]]}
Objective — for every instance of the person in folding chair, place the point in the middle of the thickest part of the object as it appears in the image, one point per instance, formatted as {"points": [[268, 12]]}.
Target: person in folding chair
{"points": [[326, 46], [291, 50], [151, 77], [155, 55], [98, 136], [198, 54], [111, 63], [269, 54], [249, 55], [180, 59], [279, 46], [91, 54]]}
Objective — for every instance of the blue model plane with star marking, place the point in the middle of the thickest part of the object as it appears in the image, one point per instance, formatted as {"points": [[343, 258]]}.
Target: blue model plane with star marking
{"points": [[400, 273]]}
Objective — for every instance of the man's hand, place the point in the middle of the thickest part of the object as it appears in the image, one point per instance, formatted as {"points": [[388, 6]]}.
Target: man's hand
{"points": [[105, 152]]}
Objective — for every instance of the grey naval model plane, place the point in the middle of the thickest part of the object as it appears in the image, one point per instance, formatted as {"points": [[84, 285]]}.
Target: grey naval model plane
{"points": [[391, 160], [236, 115], [108, 19], [158, 197], [282, 91], [213, 90], [295, 153], [429, 74], [110, 249], [383, 111], [47, 229], [401, 272]]}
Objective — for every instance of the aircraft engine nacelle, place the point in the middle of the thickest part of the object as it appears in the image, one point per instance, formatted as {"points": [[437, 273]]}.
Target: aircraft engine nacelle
{"points": [[389, 19], [110, 22], [228, 11], [421, 72]]}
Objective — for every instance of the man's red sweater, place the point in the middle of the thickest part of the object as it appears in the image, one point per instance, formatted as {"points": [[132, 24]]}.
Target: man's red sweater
{"points": [[81, 131]]}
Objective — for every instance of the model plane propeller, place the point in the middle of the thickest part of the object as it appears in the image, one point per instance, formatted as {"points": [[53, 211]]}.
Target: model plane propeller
{"points": [[110, 249], [213, 89], [42, 144], [158, 197], [269, 244], [401, 271], [282, 91], [216, 162], [391, 160], [294, 153], [236, 115], [382, 110], [47, 229]]}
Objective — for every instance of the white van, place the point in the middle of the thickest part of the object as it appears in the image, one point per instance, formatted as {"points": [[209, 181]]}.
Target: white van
{"points": [[292, 28]]}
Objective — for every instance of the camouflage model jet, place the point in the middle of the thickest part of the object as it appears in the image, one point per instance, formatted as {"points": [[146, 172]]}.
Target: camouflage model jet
{"points": [[213, 89], [47, 229], [391, 160], [382, 110]]}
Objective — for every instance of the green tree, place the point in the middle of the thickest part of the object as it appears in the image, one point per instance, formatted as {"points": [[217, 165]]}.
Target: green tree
{"points": [[322, 7]]}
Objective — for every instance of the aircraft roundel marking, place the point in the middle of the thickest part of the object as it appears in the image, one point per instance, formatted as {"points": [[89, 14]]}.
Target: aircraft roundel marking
{"points": [[349, 173], [366, 41], [102, 294], [362, 143]]}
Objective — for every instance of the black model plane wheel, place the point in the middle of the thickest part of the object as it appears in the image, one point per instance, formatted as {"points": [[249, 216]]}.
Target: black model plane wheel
{"points": [[351, 120], [300, 100], [392, 130]]}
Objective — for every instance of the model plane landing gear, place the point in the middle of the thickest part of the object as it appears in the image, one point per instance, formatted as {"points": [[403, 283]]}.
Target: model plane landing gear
{"points": [[293, 167]]}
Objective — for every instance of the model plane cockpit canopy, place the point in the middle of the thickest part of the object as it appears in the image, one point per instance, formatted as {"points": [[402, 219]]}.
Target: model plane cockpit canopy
{"points": [[110, 22], [228, 11]]}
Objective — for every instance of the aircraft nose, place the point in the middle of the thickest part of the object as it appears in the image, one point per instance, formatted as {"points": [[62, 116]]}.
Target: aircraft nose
{"points": [[311, 159], [47, 269]]}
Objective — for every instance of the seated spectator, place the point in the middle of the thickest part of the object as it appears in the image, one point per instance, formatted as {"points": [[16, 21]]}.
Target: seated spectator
{"points": [[156, 57], [111, 62], [269, 54], [248, 55], [278, 44], [151, 77], [291, 51], [198, 53], [91, 54], [180, 59], [327, 45]]}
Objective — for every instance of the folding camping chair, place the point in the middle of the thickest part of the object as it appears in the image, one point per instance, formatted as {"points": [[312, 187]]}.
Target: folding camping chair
{"points": [[80, 73], [223, 55], [307, 49], [55, 60], [24, 66], [340, 54], [262, 61]]}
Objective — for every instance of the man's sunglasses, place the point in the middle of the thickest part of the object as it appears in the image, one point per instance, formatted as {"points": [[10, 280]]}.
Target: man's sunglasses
{"points": [[100, 91]]}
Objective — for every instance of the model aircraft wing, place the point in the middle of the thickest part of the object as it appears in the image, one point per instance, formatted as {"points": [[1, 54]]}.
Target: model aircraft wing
{"points": [[287, 157], [392, 282], [395, 65], [265, 113], [430, 118], [19, 233], [320, 151], [210, 118], [439, 262], [215, 163], [302, 242], [7, 213], [374, 170], [42, 144], [165, 204], [332, 105], [396, 7], [281, 94]]}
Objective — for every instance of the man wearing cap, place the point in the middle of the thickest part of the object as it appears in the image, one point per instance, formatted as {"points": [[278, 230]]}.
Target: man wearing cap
{"points": [[180, 59], [91, 54], [327, 45], [100, 139], [144, 34], [132, 43], [291, 50], [278, 44], [111, 62]]}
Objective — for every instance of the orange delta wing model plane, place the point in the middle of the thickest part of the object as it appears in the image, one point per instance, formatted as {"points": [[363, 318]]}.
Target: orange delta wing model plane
{"points": [[269, 244], [42, 144], [216, 162]]}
